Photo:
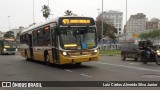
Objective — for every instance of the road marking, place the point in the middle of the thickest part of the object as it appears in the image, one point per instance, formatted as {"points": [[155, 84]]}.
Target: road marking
{"points": [[68, 70], [86, 75], [151, 76], [128, 67], [134, 63]]}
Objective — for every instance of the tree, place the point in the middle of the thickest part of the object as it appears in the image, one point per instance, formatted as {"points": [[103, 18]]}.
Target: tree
{"points": [[152, 35], [46, 11], [9, 34], [68, 13], [108, 30]]}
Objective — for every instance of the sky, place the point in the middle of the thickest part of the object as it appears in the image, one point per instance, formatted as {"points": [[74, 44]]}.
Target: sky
{"points": [[21, 11]]}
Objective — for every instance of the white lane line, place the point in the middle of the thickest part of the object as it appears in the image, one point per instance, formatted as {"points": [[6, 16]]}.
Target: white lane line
{"points": [[86, 75], [153, 70], [134, 63], [68, 70]]}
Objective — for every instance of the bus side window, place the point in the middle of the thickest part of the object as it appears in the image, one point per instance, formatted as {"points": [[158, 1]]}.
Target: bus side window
{"points": [[53, 36], [35, 38], [47, 36], [0, 44], [27, 39], [40, 37], [20, 39]]}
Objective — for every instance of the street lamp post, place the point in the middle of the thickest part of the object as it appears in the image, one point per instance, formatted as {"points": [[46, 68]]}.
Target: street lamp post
{"points": [[126, 23], [102, 25], [126, 10], [33, 13], [9, 21], [98, 11], [48, 3], [48, 7]]}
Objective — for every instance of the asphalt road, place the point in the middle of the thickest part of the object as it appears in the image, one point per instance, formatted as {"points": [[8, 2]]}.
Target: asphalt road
{"points": [[109, 68]]}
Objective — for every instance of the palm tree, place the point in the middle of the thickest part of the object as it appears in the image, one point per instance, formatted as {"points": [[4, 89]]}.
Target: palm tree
{"points": [[68, 13], [46, 11]]}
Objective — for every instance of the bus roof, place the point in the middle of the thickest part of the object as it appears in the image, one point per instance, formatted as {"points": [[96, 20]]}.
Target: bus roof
{"points": [[55, 20]]}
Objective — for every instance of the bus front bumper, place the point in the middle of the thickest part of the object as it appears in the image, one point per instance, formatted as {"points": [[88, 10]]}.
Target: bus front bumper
{"points": [[9, 52], [78, 59]]}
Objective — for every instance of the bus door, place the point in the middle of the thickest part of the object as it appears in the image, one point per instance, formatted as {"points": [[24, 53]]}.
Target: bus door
{"points": [[55, 50], [30, 46]]}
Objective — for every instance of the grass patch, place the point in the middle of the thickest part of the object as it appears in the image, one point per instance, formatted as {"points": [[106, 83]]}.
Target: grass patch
{"points": [[110, 52]]}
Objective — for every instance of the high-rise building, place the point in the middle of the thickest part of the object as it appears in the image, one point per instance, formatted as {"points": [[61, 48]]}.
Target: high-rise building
{"points": [[1, 34], [156, 20], [151, 25], [136, 23], [114, 18]]}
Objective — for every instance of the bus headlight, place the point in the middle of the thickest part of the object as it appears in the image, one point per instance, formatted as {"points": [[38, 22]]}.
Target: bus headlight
{"points": [[95, 51], [4, 49], [158, 52], [64, 53]]}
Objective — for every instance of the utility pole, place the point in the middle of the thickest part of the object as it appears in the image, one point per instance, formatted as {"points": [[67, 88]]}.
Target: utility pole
{"points": [[48, 7], [9, 21], [102, 25], [98, 11], [126, 22], [33, 13]]}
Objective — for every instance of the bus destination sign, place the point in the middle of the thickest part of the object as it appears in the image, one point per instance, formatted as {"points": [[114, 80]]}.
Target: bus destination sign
{"points": [[71, 21], [76, 21]]}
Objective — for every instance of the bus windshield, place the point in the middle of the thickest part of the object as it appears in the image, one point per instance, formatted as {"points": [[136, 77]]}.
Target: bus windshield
{"points": [[10, 43], [73, 38]]}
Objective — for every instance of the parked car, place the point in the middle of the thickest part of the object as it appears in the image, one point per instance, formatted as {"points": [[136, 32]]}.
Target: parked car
{"points": [[131, 50]]}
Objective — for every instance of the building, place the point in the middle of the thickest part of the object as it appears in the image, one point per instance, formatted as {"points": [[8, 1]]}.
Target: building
{"points": [[151, 25], [16, 31], [136, 23], [114, 18], [156, 20], [1, 34]]}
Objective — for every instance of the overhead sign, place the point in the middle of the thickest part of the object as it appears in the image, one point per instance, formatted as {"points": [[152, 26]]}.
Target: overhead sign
{"points": [[76, 21], [135, 35], [72, 21]]}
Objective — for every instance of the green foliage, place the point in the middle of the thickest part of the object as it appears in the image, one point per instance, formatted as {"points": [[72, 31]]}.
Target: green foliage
{"points": [[110, 52], [108, 30], [46, 11], [68, 13], [9, 34], [152, 35]]}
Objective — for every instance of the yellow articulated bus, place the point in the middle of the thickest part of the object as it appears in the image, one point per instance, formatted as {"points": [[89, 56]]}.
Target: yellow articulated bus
{"points": [[63, 40]]}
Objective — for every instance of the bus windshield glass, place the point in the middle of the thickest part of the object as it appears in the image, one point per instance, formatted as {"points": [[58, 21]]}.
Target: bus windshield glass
{"points": [[10, 43], [78, 38]]}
